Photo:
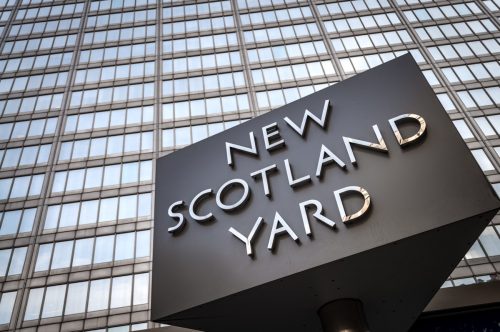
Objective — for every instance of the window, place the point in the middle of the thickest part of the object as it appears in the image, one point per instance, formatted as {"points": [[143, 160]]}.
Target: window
{"points": [[199, 43], [345, 7], [40, 12], [104, 5], [75, 302], [89, 76], [44, 27], [100, 210], [203, 62], [117, 53], [483, 161], [465, 50], [16, 221], [490, 241], [362, 22], [197, 9], [453, 30], [279, 97], [106, 146], [307, 70], [26, 156], [121, 18], [487, 97], [381, 39], [115, 35], [187, 135], [98, 294], [472, 72], [34, 82], [201, 25], [205, 83], [21, 187], [121, 294], [281, 33], [205, 107], [35, 44], [12, 261], [104, 120], [54, 301], [440, 12], [463, 129], [361, 63], [7, 301], [31, 104]]}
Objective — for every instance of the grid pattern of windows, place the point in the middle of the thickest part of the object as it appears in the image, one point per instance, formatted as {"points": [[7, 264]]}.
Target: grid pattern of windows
{"points": [[15, 222], [346, 7], [21, 187], [203, 62], [441, 12], [117, 53], [93, 91], [362, 22], [201, 26], [106, 146], [36, 62], [42, 12], [121, 72], [121, 18], [467, 50], [454, 30], [109, 119], [200, 43], [214, 7], [27, 129], [66, 254], [359, 42], [287, 52], [112, 95], [102, 176], [115, 35], [44, 27], [471, 73], [182, 136], [102, 5], [105, 210], [25, 156], [34, 82], [36, 44], [100, 294], [357, 64], [205, 107]]}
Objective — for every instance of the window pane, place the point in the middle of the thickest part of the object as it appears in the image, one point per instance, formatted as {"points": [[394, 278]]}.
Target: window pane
{"points": [[34, 304], [141, 288], [124, 246], [99, 295], [121, 294], [62, 255], [77, 298], [54, 301], [142, 244], [6, 306], [83, 252], [104, 249]]}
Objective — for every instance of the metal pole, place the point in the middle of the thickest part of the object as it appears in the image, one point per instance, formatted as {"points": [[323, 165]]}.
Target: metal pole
{"points": [[344, 315]]}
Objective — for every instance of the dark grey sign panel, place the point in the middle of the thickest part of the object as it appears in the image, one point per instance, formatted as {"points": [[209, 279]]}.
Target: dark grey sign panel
{"points": [[421, 197]]}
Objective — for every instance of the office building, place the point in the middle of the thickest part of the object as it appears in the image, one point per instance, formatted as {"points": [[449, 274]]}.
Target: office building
{"points": [[92, 92]]}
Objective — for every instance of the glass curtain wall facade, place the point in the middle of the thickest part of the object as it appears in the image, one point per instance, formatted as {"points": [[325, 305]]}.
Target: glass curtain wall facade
{"points": [[92, 92]]}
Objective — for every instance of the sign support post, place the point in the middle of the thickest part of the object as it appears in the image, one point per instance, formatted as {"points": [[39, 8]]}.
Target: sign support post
{"points": [[343, 315]]}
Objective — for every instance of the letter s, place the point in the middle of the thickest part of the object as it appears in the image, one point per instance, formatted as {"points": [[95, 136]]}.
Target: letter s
{"points": [[176, 215]]}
